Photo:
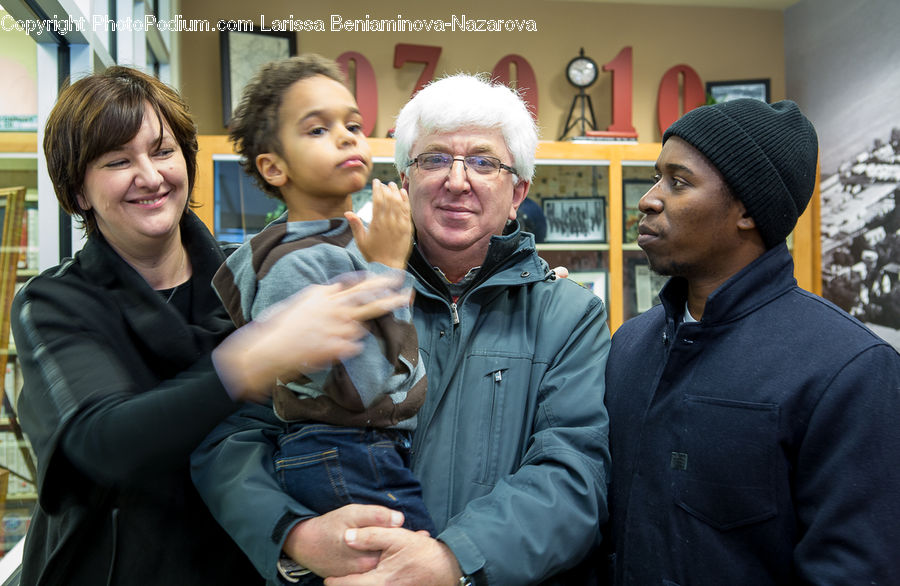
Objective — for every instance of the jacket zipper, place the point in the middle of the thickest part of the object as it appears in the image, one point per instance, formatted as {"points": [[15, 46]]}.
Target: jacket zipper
{"points": [[454, 313], [487, 471]]}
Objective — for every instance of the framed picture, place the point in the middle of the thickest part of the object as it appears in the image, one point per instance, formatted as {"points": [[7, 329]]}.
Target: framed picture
{"points": [[596, 282], [575, 219], [723, 91], [632, 192], [242, 55], [576, 260], [647, 285]]}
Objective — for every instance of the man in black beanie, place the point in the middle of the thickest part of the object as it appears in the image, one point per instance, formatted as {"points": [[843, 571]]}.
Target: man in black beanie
{"points": [[755, 427]]}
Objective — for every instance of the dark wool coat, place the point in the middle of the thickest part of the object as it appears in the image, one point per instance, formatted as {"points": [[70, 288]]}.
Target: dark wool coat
{"points": [[759, 446], [119, 389]]}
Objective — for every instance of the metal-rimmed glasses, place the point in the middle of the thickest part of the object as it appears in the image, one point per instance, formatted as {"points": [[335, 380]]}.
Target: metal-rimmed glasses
{"points": [[481, 164]]}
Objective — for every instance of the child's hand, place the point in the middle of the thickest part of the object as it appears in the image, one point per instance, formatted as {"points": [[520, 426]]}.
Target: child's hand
{"points": [[389, 237], [329, 318]]}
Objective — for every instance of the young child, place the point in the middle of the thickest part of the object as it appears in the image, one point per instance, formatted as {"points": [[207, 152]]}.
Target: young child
{"points": [[299, 132]]}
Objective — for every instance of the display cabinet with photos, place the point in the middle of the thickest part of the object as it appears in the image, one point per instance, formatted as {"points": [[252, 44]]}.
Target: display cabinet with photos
{"points": [[582, 207]]}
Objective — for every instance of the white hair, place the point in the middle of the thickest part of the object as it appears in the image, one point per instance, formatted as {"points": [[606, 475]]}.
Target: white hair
{"points": [[468, 101]]}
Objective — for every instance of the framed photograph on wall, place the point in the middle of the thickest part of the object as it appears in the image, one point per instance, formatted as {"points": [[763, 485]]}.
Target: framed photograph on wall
{"points": [[647, 286], [724, 91], [632, 192], [575, 219], [242, 54], [596, 282]]}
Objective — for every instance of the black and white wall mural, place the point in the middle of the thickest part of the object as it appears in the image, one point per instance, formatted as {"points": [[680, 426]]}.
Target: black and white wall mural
{"points": [[843, 68]]}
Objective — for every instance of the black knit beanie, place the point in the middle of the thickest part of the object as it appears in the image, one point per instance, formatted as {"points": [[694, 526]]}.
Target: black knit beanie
{"points": [[766, 153]]}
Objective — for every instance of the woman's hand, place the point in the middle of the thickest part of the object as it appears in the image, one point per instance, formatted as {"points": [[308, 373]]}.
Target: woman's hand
{"points": [[389, 238], [302, 334]]}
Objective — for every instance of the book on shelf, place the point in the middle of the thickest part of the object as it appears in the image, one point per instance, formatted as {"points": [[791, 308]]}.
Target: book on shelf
{"points": [[32, 244], [29, 247], [12, 384]]}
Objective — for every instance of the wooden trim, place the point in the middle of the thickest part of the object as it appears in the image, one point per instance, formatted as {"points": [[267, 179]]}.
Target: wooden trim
{"points": [[382, 147], [616, 277], [815, 230], [622, 151], [807, 249], [18, 142]]}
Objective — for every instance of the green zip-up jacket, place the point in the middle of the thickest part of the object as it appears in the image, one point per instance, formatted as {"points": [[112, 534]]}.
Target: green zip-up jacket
{"points": [[512, 441]]}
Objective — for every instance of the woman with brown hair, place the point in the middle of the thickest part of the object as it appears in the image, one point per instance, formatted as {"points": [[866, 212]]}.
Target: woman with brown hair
{"points": [[129, 358]]}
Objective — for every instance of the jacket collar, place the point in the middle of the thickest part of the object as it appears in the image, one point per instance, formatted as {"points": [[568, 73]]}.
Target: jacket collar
{"points": [[767, 277], [505, 252], [179, 343]]}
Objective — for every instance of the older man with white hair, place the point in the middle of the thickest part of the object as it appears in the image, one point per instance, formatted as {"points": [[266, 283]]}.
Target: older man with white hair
{"points": [[511, 446]]}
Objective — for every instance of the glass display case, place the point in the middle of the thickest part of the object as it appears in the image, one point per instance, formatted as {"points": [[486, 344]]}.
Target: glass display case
{"points": [[567, 210], [241, 208], [582, 207]]}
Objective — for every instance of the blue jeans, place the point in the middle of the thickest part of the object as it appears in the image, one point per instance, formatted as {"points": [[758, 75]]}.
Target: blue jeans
{"points": [[325, 467]]}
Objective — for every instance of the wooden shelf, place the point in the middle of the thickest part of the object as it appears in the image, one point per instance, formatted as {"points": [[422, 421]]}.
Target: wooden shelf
{"points": [[18, 142], [573, 246], [21, 496]]}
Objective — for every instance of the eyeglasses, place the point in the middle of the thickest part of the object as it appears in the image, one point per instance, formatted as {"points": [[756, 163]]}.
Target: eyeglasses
{"points": [[481, 164]]}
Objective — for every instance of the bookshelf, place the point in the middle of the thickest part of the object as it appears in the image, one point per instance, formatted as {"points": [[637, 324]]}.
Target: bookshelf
{"points": [[18, 262]]}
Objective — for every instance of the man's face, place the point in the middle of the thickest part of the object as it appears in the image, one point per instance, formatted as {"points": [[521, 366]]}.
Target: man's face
{"points": [[693, 226], [459, 210]]}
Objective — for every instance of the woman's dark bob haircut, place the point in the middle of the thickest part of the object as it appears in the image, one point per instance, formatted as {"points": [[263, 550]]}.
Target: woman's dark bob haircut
{"points": [[103, 112]]}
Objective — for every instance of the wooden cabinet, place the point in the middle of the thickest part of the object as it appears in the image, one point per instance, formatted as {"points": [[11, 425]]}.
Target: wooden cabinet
{"points": [[570, 180]]}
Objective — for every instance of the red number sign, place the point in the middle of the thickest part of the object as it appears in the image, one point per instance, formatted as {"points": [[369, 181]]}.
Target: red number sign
{"points": [[621, 68], [426, 54], [526, 80], [692, 94], [366, 88]]}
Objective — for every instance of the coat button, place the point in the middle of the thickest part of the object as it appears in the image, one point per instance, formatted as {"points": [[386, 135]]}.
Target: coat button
{"points": [[524, 274]]}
